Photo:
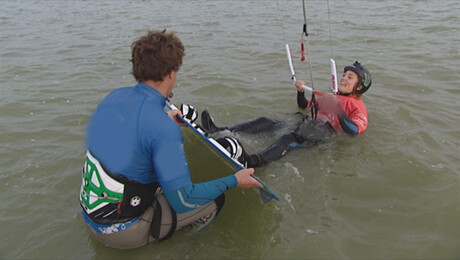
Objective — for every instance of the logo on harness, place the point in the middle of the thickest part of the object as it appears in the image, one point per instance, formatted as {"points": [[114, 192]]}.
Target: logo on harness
{"points": [[135, 201]]}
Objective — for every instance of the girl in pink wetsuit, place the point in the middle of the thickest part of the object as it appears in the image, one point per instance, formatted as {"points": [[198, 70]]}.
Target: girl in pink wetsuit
{"points": [[344, 111]]}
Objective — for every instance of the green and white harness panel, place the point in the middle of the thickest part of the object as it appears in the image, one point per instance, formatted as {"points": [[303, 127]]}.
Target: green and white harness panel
{"points": [[98, 189]]}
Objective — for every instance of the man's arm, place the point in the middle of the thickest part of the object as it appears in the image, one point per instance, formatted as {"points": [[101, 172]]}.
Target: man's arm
{"points": [[193, 196]]}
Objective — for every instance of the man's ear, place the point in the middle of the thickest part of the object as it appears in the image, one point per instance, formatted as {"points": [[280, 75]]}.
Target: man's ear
{"points": [[170, 74]]}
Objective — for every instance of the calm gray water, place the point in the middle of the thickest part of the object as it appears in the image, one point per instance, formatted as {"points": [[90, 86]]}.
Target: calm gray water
{"points": [[392, 192]]}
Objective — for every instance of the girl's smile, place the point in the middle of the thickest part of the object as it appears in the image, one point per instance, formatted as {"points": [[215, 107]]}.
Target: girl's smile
{"points": [[348, 82]]}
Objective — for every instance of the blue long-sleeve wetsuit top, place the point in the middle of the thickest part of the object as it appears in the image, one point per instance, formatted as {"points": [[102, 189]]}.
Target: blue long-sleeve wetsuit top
{"points": [[131, 135]]}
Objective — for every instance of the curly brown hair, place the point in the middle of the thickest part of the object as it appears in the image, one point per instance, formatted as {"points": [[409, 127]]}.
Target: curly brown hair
{"points": [[155, 55]]}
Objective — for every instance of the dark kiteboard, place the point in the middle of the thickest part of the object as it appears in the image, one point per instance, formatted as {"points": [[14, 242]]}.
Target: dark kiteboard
{"points": [[205, 154]]}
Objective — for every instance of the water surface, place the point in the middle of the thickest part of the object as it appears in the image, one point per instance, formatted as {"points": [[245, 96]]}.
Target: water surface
{"points": [[389, 193]]}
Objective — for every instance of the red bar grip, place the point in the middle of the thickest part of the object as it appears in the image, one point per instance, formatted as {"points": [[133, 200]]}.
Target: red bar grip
{"points": [[302, 52]]}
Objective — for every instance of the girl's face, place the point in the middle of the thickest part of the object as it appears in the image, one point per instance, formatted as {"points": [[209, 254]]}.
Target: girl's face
{"points": [[348, 82]]}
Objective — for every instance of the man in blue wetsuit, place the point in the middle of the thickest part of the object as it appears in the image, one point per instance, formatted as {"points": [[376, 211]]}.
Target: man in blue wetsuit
{"points": [[136, 185]]}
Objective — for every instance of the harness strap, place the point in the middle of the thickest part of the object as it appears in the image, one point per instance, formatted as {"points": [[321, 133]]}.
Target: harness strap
{"points": [[173, 224], [155, 227], [156, 221], [314, 106]]}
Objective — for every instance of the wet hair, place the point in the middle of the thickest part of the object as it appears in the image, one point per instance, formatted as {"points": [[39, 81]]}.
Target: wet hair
{"points": [[155, 55]]}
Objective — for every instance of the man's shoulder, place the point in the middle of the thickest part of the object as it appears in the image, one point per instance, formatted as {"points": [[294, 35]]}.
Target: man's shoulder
{"points": [[118, 94], [153, 116], [123, 90]]}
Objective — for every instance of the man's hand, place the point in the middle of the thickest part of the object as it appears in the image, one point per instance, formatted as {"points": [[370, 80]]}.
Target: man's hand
{"points": [[173, 114], [245, 180]]}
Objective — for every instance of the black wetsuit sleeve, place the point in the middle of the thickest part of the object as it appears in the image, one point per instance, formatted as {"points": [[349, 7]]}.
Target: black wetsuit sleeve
{"points": [[302, 102], [346, 123]]}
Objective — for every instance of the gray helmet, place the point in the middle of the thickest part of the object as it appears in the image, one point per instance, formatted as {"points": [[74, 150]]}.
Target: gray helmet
{"points": [[365, 78]]}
